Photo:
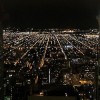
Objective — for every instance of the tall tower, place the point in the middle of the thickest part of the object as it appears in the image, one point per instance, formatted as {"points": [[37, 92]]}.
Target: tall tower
{"points": [[98, 67], [2, 18]]}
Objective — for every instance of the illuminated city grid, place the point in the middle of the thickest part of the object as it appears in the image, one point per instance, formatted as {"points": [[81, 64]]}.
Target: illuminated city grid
{"points": [[40, 63]]}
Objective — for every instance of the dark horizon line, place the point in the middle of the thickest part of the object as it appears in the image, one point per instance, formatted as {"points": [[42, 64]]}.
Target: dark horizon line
{"points": [[47, 28]]}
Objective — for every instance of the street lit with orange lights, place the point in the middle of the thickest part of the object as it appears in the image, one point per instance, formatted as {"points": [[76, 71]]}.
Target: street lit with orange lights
{"points": [[41, 61]]}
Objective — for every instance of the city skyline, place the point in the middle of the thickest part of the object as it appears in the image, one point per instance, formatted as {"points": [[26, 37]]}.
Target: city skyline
{"points": [[50, 48], [50, 63]]}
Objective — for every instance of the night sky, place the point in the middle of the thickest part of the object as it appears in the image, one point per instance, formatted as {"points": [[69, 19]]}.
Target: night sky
{"points": [[51, 13]]}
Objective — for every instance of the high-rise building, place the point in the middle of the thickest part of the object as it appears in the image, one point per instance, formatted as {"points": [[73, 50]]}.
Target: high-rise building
{"points": [[1, 63], [98, 68]]}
